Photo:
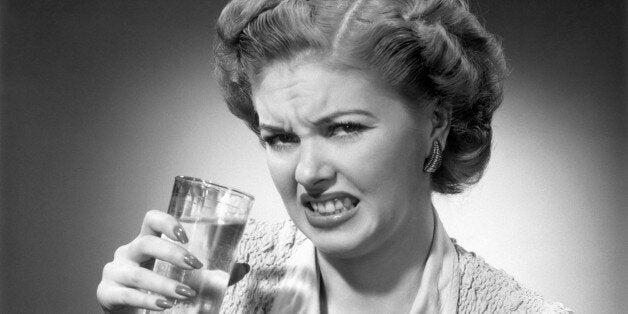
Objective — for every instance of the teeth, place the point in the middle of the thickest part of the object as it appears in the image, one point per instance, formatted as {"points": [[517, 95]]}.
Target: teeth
{"points": [[338, 205], [346, 202], [334, 206], [329, 207]]}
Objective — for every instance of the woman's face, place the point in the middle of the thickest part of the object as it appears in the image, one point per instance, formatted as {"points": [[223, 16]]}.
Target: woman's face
{"points": [[345, 153]]}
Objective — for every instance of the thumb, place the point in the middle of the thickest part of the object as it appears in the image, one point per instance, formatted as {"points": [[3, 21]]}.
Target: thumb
{"points": [[238, 272]]}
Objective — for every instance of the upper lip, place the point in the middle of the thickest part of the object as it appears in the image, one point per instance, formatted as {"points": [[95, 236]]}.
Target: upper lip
{"points": [[306, 199]]}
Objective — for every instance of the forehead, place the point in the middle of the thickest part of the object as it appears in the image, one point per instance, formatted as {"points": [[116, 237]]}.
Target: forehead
{"points": [[285, 81], [307, 90]]}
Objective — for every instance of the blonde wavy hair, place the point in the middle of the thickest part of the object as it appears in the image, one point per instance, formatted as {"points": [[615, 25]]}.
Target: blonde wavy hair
{"points": [[427, 50]]}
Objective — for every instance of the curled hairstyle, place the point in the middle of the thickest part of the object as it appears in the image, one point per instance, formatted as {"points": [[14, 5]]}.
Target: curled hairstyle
{"points": [[427, 50]]}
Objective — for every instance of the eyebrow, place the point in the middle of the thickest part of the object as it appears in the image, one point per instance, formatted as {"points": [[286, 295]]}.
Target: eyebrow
{"points": [[323, 120]]}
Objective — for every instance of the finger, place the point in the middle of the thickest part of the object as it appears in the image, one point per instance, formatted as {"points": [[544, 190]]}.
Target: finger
{"points": [[239, 271], [148, 264], [157, 222], [116, 297], [141, 278], [146, 247]]}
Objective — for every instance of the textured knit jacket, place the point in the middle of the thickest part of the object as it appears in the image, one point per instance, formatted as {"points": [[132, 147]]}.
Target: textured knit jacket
{"points": [[267, 246]]}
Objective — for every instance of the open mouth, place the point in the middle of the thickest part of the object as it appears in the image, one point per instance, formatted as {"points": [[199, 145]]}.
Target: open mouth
{"points": [[332, 206]]}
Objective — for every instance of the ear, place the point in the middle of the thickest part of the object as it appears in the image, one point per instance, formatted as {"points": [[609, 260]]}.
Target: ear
{"points": [[441, 122]]}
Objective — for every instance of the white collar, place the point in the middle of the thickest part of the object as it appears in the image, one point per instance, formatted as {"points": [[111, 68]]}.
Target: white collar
{"points": [[298, 291]]}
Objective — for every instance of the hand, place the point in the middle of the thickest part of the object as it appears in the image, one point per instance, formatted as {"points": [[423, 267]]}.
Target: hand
{"points": [[123, 277]]}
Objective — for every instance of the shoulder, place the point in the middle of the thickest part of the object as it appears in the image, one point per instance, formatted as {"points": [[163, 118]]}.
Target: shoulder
{"points": [[265, 247], [487, 289]]}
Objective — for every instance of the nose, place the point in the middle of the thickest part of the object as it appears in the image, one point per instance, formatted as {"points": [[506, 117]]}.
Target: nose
{"points": [[314, 171]]}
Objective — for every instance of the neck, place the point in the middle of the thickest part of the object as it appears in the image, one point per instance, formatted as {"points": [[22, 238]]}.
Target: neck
{"points": [[381, 281]]}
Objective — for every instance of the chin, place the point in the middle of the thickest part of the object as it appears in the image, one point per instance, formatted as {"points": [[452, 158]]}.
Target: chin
{"points": [[349, 240], [340, 250]]}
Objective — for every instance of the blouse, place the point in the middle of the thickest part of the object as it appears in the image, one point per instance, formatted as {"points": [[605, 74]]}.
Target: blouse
{"points": [[284, 278]]}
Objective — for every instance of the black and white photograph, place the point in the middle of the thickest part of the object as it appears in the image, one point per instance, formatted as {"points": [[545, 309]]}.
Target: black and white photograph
{"points": [[313, 156]]}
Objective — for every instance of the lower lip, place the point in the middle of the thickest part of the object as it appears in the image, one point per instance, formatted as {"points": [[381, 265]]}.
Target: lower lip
{"points": [[329, 221]]}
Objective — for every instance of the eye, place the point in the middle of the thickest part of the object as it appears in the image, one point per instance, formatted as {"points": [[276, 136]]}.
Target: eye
{"points": [[346, 129], [280, 141]]}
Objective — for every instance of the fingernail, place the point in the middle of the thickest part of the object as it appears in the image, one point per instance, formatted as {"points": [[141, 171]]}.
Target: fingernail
{"points": [[238, 272], [192, 261], [185, 291], [180, 234], [165, 304]]}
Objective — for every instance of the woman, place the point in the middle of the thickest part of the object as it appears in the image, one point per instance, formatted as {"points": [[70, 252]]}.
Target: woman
{"points": [[364, 108]]}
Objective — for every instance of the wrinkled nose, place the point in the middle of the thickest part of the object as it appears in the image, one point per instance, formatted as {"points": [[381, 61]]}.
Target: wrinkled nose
{"points": [[314, 171]]}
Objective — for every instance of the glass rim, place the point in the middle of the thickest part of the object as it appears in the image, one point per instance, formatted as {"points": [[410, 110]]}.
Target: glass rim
{"points": [[213, 184]]}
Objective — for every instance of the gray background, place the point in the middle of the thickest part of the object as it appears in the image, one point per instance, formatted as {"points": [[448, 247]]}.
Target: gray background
{"points": [[104, 102]]}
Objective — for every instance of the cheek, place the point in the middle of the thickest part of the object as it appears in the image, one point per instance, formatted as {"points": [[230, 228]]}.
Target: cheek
{"points": [[282, 173], [383, 164]]}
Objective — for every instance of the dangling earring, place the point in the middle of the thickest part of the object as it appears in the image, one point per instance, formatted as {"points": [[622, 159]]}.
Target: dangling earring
{"points": [[436, 158]]}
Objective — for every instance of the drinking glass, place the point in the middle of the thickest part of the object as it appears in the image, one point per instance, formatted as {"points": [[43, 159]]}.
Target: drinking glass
{"points": [[213, 217]]}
